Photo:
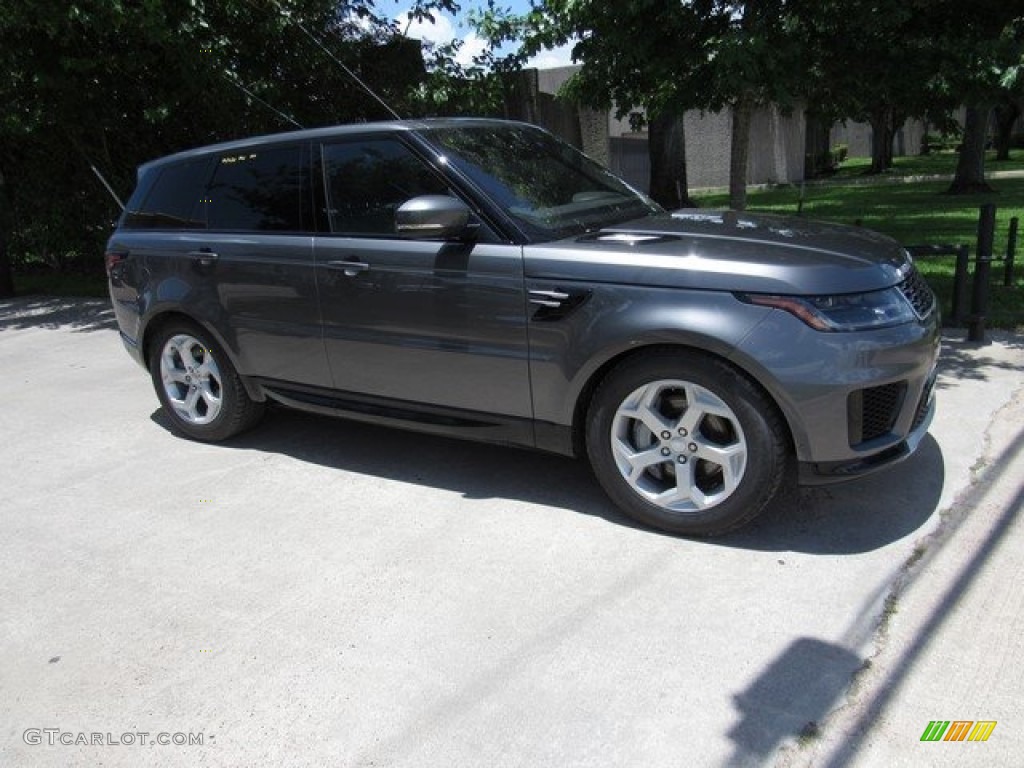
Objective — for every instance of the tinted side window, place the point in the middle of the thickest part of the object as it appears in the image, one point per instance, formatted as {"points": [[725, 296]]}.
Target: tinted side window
{"points": [[263, 189], [174, 200], [368, 180]]}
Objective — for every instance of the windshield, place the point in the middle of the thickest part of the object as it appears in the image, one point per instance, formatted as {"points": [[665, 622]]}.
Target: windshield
{"points": [[549, 188]]}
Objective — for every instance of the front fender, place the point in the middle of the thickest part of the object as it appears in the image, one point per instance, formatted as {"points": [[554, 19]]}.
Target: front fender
{"points": [[568, 353]]}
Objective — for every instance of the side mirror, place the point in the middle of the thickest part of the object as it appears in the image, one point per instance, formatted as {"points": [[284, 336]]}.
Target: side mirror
{"points": [[434, 217]]}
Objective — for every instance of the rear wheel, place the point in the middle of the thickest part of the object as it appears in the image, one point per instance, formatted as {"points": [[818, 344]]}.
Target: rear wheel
{"points": [[198, 386], [685, 443]]}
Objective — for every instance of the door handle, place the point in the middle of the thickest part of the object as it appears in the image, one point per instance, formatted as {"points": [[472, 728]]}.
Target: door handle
{"points": [[350, 267], [204, 257]]}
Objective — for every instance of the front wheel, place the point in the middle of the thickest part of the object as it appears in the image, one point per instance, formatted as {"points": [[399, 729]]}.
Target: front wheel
{"points": [[685, 443], [198, 386]]}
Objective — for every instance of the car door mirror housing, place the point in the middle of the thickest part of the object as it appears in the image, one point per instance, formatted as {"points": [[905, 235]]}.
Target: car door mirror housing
{"points": [[434, 217]]}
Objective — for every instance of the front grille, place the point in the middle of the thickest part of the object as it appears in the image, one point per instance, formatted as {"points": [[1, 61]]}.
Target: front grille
{"points": [[872, 412], [918, 293]]}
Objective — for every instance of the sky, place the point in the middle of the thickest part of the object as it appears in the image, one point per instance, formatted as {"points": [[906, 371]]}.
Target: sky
{"points": [[447, 28]]}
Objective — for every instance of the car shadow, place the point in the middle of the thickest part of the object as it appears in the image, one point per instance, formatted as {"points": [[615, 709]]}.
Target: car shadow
{"points": [[856, 517]]}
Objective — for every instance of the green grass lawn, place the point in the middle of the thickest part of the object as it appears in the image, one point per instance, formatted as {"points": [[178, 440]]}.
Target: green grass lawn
{"points": [[914, 213], [935, 164]]}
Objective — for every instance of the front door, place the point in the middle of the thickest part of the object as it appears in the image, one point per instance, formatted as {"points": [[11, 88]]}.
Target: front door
{"points": [[434, 323]]}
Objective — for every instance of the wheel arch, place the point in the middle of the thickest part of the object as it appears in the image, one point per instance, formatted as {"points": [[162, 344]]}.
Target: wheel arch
{"points": [[161, 319], [586, 395]]}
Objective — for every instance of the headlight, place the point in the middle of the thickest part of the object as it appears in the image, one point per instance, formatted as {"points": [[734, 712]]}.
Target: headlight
{"points": [[845, 312]]}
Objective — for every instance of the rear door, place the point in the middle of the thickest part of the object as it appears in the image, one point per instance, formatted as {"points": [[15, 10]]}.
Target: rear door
{"points": [[434, 323], [228, 238], [259, 214]]}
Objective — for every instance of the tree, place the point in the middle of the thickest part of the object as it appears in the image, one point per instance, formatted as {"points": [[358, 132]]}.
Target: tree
{"points": [[869, 61], [112, 84], [884, 62], [662, 59], [6, 274], [1007, 112], [618, 45], [983, 48]]}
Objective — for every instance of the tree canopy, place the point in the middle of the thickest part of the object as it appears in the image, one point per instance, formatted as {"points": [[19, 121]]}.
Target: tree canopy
{"points": [[867, 60], [111, 84]]}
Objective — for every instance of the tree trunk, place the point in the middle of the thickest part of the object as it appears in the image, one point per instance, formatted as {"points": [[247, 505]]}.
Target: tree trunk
{"points": [[6, 274], [742, 113], [666, 148], [970, 166], [883, 130], [1006, 115]]}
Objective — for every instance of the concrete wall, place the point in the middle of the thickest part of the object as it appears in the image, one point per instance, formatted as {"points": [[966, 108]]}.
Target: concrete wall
{"points": [[857, 136], [777, 142]]}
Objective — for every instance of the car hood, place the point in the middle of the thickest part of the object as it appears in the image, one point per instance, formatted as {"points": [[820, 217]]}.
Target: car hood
{"points": [[726, 251]]}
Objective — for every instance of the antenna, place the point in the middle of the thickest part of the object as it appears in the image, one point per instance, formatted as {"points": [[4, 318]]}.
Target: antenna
{"points": [[335, 59], [110, 189]]}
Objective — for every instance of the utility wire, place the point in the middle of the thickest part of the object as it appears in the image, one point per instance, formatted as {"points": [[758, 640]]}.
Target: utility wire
{"points": [[335, 59], [232, 78]]}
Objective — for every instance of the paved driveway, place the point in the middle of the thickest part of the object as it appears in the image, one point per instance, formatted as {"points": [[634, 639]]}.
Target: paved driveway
{"points": [[329, 593]]}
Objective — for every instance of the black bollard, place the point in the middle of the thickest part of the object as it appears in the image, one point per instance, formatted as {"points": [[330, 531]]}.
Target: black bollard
{"points": [[960, 278], [1011, 252], [982, 272]]}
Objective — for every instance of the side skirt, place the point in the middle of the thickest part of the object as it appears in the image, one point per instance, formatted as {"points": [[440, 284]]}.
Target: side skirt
{"points": [[448, 422]]}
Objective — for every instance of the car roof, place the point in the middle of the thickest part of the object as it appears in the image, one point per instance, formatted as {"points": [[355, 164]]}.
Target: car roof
{"points": [[312, 134]]}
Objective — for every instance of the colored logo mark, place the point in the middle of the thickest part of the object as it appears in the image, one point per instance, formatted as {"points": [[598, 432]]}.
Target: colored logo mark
{"points": [[958, 730]]}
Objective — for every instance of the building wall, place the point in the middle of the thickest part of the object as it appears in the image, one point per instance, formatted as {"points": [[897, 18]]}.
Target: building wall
{"points": [[857, 137], [776, 152], [777, 141]]}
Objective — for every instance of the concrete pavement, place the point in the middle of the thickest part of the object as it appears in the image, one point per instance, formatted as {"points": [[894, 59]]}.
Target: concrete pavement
{"points": [[327, 593], [950, 647]]}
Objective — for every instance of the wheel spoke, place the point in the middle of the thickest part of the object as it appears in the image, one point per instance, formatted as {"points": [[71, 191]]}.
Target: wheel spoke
{"points": [[211, 398], [730, 458], [681, 495], [641, 406], [173, 376], [709, 403], [636, 462], [690, 419], [189, 404]]}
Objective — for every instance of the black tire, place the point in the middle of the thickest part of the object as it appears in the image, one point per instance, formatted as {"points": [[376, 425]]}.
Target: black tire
{"points": [[198, 386], [734, 454]]}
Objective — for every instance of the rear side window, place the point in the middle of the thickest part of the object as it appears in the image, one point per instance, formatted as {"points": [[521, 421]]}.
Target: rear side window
{"points": [[367, 180], [259, 190], [264, 189], [175, 199]]}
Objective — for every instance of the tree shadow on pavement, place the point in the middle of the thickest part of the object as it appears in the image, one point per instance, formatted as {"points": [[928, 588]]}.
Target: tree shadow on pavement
{"points": [[966, 360], [857, 517], [53, 313]]}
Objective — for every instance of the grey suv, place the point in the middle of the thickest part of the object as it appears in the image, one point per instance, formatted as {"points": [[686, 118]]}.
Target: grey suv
{"points": [[482, 279]]}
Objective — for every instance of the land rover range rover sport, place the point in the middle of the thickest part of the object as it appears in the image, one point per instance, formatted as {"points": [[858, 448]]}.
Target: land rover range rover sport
{"points": [[482, 279]]}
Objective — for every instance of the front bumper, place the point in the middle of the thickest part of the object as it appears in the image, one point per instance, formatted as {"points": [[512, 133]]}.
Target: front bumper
{"points": [[855, 402], [822, 473]]}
